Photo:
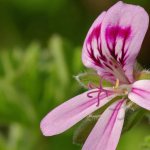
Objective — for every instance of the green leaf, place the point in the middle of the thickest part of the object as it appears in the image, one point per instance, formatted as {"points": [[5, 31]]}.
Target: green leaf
{"points": [[84, 129], [28, 73], [76, 62], [3, 143], [132, 118], [57, 52], [20, 109], [146, 144]]}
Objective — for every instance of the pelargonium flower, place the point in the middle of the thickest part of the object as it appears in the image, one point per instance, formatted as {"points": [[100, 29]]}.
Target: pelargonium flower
{"points": [[111, 47]]}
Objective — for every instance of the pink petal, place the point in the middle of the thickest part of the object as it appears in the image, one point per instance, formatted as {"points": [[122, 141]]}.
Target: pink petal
{"points": [[140, 93], [107, 131], [114, 41], [92, 45], [72, 111]]}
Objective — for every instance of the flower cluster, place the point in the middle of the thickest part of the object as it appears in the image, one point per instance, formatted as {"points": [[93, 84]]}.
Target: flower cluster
{"points": [[110, 48]]}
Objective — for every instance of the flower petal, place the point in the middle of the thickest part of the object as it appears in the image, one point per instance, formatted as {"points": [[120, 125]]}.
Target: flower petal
{"points": [[72, 111], [114, 41], [92, 45], [107, 131], [140, 93]]}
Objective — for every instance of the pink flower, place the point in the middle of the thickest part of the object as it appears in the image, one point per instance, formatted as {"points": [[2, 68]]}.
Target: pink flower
{"points": [[111, 47]]}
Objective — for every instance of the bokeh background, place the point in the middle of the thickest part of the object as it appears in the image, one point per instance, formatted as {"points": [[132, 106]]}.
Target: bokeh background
{"points": [[40, 52]]}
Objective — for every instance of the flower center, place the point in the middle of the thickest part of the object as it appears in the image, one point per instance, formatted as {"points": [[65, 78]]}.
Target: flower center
{"points": [[120, 90], [123, 89]]}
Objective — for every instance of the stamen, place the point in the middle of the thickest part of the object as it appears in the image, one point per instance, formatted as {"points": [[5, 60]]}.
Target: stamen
{"points": [[116, 84], [92, 86], [98, 91]]}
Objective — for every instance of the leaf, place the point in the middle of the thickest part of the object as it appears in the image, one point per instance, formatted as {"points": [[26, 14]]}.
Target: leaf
{"points": [[146, 144], [82, 132], [57, 51], [28, 73], [3, 143], [76, 62], [132, 118], [11, 108], [91, 78]]}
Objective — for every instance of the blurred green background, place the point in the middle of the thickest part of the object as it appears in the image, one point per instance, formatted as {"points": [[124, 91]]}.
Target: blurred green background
{"points": [[40, 52]]}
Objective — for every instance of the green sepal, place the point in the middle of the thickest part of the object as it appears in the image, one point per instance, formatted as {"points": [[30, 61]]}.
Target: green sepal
{"points": [[143, 75], [91, 77]]}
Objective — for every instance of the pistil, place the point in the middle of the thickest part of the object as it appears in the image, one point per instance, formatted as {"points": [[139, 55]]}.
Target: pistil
{"points": [[98, 91]]}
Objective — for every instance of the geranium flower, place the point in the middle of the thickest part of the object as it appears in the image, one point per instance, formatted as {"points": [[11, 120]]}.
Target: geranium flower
{"points": [[111, 47]]}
